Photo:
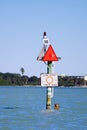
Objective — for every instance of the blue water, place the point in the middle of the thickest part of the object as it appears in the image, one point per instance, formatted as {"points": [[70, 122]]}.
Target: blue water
{"points": [[23, 108]]}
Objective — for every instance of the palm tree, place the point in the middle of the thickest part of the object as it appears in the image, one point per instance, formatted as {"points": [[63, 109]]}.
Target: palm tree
{"points": [[22, 71]]}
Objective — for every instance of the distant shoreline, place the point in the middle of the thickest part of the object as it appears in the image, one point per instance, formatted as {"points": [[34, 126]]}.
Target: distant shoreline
{"points": [[27, 86], [15, 79]]}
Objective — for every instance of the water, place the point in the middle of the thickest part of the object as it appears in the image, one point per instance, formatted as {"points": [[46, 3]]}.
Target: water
{"points": [[23, 108]]}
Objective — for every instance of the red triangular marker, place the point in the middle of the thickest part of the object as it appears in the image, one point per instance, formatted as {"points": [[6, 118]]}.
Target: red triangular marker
{"points": [[50, 55]]}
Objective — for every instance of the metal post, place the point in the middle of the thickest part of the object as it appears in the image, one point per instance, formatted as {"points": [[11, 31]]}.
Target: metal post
{"points": [[49, 89], [48, 55]]}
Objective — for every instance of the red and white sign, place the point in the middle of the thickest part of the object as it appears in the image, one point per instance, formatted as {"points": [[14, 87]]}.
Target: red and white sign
{"points": [[49, 79], [50, 55]]}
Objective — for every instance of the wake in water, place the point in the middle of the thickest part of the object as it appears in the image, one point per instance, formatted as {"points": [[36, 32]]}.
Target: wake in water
{"points": [[50, 111]]}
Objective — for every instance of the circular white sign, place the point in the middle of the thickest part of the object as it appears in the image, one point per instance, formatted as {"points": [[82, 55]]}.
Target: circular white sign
{"points": [[49, 79]]}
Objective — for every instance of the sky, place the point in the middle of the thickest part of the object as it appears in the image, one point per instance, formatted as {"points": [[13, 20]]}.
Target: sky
{"points": [[22, 23]]}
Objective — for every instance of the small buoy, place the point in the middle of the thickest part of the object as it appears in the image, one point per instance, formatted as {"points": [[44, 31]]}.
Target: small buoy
{"points": [[56, 106]]}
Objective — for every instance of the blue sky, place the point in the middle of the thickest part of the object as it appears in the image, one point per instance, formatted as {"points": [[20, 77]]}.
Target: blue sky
{"points": [[22, 23]]}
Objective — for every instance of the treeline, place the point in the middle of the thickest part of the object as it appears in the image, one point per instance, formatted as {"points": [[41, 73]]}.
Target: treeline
{"points": [[71, 81], [18, 79]]}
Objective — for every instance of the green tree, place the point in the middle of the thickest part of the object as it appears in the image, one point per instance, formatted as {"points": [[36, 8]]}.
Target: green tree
{"points": [[34, 80], [22, 71], [24, 80]]}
